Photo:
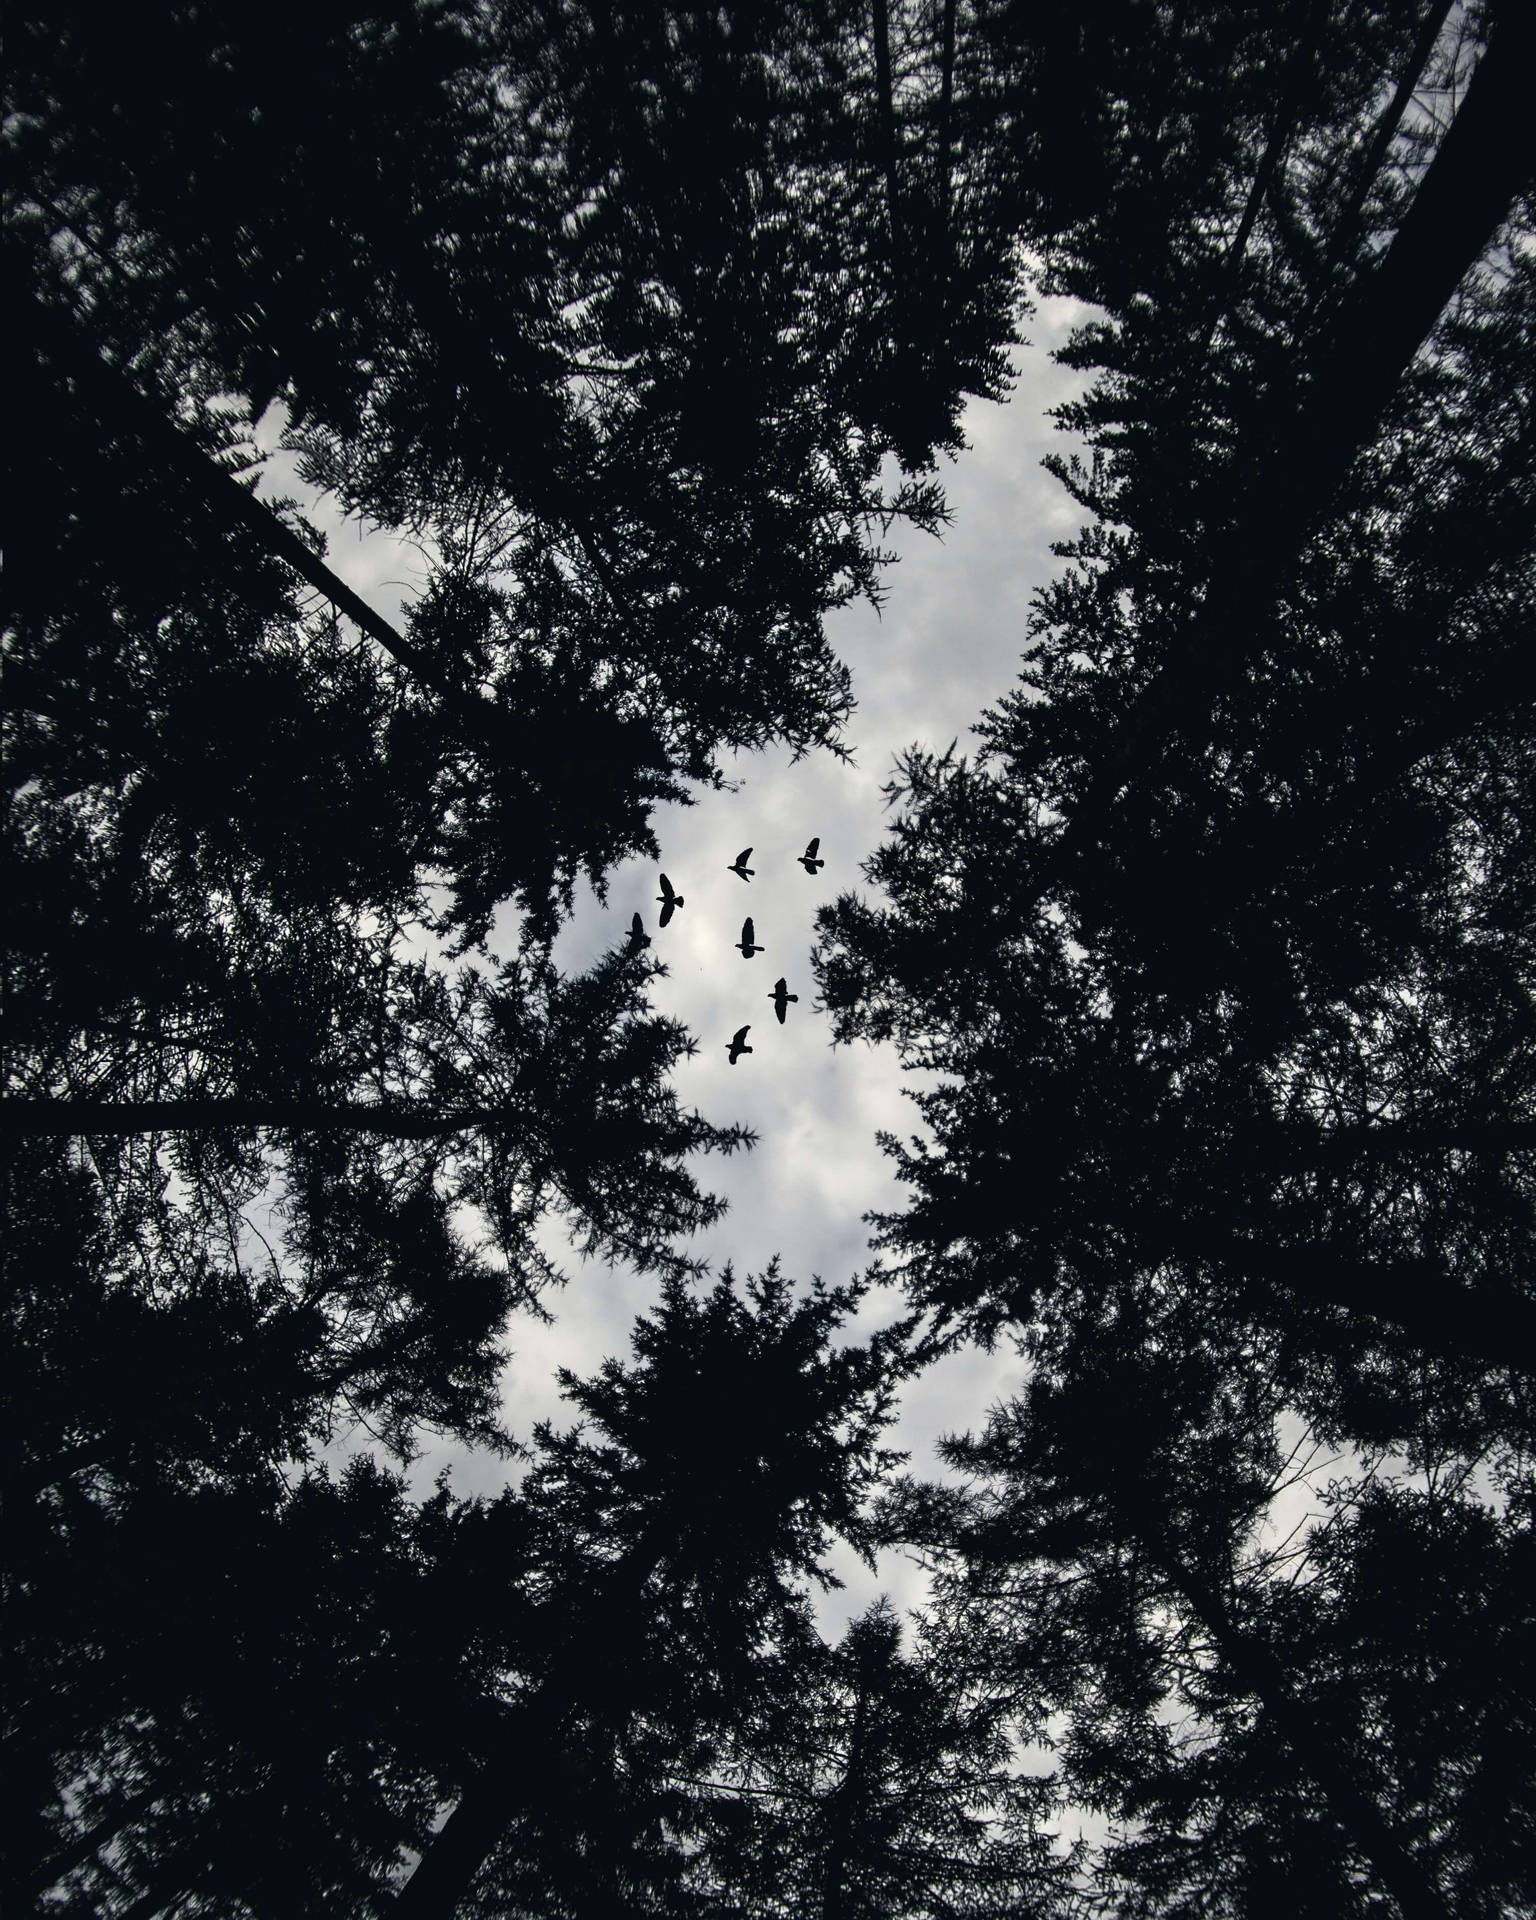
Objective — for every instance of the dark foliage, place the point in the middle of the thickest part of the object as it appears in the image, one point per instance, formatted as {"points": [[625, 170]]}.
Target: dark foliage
{"points": [[1222, 947]]}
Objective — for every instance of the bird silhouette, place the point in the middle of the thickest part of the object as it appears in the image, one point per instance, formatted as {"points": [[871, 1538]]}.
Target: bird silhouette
{"points": [[668, 900], [739, 865], [738, 1044], [747, 942], [781, 997], [639, 939], [808, 859]]}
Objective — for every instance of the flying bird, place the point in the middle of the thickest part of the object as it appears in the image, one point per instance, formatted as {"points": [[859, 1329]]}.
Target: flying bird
{"points": [[747, 942], [738, 1044], [808, 859], [739, 865], [781, 997], [639, 939], [668, 901]]}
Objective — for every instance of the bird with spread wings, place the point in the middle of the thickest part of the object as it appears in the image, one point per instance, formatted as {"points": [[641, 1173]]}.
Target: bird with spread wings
{"points": [[668, 899]]}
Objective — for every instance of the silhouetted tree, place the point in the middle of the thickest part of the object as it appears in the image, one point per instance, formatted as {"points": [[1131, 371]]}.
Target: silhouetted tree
{"points": [[1221, 949], [873, 1780], [722, 1463], [335, 1662], [1319, 1714], [586, 303]]}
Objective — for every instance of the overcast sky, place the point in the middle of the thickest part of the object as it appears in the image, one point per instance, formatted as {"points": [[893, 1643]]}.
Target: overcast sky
{"points": [[946, 645]]}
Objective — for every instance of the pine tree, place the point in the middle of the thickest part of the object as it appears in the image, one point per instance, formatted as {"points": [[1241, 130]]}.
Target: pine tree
{"points": [[640, 423], [1222, 948]]}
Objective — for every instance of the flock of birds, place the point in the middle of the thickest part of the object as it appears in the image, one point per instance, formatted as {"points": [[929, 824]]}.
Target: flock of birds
{"points": [[669, 900]]}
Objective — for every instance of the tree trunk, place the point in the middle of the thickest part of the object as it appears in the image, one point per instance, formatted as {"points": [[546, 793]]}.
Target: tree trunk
{"points": [[1416, 1297], [1480, 167], [528, 1757], [114, 396], [1283, 127], [1257, 1671], [887, 112], [1347, 233], [846, 1798], [107, 1118], [77, 1851], [946, 115]]}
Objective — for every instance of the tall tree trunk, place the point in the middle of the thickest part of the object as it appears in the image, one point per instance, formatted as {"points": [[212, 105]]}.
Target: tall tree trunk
{"points": [[846, 1799], [1347, 232], [108, 1118], [946, 118], [1413, 1296], [1482, 164], [1282, 128], [115, 396], [887, 111], [77, 1851], [1257, 1671], [527, 1767]]}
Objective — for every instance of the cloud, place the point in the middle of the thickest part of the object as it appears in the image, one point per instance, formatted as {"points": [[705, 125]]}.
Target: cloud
{"points": [[946, 644]]}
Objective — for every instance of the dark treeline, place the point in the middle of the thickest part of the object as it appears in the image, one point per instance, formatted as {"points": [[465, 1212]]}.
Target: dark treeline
{"points": [[648, 326]]}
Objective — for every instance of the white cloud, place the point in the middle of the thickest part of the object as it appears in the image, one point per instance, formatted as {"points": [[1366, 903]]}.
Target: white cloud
{"points": [[947, 644]]}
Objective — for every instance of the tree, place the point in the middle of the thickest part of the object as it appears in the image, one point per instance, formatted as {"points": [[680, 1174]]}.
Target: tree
{"points": [[337, 1663], [228, 1669], [1213, 958], [311, 1154], [1222, 948], [872, 1779], [723, 1462], [1319, 1716]]}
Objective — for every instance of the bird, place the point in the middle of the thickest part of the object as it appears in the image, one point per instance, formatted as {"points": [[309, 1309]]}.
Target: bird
{"points": [[738, 1044], [808, 859], [639, 939], [748, 941], [739, 865], [781, 997], [668, 900]]}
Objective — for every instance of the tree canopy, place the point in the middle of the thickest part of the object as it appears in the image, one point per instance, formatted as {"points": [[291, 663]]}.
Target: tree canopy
{"points": [[648, 327]]}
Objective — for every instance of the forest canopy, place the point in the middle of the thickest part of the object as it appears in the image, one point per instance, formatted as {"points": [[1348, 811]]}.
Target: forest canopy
{"points": [[649, 326]]}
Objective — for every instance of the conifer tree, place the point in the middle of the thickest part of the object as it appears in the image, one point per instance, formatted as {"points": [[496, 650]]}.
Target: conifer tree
{"points": [[1221, 945]]}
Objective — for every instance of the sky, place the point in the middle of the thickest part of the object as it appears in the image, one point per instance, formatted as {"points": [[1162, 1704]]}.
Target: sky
{"points": [[945, 645]]}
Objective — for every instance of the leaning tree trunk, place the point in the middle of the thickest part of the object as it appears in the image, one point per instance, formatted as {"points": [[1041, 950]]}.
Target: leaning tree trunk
{"points": [[75, 1119], [527, 1767], [1481, 166], [1257, 1671]]}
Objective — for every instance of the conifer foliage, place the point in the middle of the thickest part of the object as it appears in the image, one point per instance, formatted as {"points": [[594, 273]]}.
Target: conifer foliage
{"points": [[1222, 945], [589, 304], [646, 325]]}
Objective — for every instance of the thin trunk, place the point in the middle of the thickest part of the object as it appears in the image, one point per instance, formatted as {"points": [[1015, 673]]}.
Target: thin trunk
{"points": [[1415, 1297], [1347, 232], [846, 1796], [887, 110], [1255, 1668], [1280, 134], [157, 1902], [946, 116], [107, 1118], [1385, 1139], [1482, 164], [528, 1768], [1485, 160], [236, 508], [81, 1848]]}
